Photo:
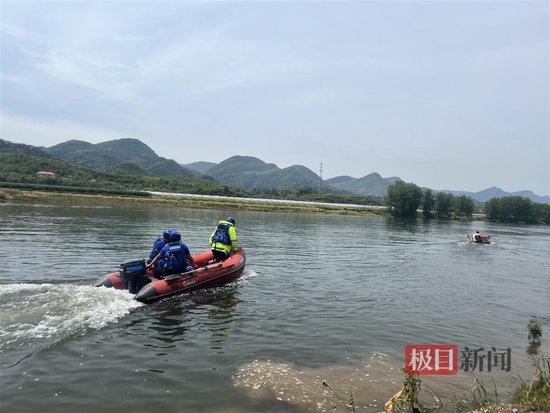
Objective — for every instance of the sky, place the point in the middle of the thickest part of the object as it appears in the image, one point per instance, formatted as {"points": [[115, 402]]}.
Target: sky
{"points": [[449, 95]]}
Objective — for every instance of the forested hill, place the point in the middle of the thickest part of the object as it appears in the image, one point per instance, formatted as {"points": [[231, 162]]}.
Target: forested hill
{"points": [[7, 146], [18, 167], [105, 155], [249, 173], [96, 167]]}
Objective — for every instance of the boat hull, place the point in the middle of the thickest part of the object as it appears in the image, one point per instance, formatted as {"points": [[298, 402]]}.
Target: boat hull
{"points": [[208, 274]]}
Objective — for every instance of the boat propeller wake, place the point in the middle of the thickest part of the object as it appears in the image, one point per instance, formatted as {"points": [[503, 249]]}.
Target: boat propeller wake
{"points": [[36, 315]]}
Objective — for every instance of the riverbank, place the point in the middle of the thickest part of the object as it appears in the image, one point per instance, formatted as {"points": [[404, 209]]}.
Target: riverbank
{"points": [[191, 201], [200, 202]]}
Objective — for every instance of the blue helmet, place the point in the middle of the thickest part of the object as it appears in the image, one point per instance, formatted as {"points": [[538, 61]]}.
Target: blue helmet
{"points": [[166, 233], [230, 219], [174, 236]]}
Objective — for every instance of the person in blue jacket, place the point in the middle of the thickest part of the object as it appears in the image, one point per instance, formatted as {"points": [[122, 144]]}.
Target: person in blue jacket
{"points": [[175, 256], [159, 243]]}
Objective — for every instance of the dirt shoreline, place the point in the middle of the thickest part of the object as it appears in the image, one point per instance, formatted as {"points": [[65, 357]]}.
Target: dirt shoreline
{"points": [[199, 202], [183, 201]]}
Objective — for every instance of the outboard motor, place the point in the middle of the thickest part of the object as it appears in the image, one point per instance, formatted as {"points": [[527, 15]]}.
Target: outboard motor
{"points": [[133, 272]]}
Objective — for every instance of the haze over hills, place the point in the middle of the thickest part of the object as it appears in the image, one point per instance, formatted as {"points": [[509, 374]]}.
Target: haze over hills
{"points": [[496, 192], [371, 184], [248, 172], [199, 167], [244, 172]]}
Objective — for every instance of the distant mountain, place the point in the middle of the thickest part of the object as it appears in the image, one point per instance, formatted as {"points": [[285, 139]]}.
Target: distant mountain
{"points": [[129, 150], [7, 146], [131, 156], [107, 155], [84, 153], [20, 163], [371, 184], [199, 167], [248, 173], [540, 199], [496, 192]]}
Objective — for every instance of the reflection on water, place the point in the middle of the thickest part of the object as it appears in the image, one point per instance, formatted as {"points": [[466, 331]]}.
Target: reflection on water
{"points": [[323, 297], [171, 319]]}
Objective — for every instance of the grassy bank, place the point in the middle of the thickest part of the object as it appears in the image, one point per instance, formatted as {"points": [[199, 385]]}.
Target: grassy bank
{"points": [[72, 189], [102, 198], [99, 196]]}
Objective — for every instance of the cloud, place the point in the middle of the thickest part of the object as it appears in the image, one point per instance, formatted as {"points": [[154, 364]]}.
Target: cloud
{"points": [[291, 83], [106, 77], [47, 132], [5, 77]]}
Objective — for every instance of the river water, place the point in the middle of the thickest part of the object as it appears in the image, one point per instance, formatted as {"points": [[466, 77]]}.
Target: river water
{"points": [[332, 298]]}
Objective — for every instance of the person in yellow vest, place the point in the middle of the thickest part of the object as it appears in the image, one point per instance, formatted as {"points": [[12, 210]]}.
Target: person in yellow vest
{"points": [[223, 240]]}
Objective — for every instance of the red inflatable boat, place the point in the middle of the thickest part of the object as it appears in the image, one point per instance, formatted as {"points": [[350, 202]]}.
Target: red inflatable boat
{"points": [[208, 274], [480, 238]]}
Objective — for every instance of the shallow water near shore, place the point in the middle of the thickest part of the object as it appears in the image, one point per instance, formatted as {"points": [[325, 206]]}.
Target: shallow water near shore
{"points": [[323, 297]]}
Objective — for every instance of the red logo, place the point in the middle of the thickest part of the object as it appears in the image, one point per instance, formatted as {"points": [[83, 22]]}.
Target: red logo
{"points": [[431, 359]]}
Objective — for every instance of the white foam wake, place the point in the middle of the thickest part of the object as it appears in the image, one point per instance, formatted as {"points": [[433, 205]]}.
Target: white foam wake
{"points": [[30, 312], [246, 276]]}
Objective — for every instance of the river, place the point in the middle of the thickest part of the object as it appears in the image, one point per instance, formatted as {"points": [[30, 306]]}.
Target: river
{"points": [[323, 297]]}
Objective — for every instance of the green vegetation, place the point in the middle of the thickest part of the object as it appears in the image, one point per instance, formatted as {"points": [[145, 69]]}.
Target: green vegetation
{"points": [[517, 209], [443, 208], [403, 199], [534, 332], [20, 168], [72, 189], [315, 195], [44, 195], [250, 173], [7, 146], [129, 166], [463, 205], [535, 395], [532, 396], [428, 203], [116, 153]]}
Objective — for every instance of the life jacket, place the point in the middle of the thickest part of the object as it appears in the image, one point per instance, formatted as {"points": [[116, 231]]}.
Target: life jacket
{"points": [[157, 246], [175, 257], [222, 233]]}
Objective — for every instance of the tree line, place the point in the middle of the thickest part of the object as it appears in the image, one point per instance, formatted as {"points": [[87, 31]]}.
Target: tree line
{"points": [[407, 199], [517, 209]]}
